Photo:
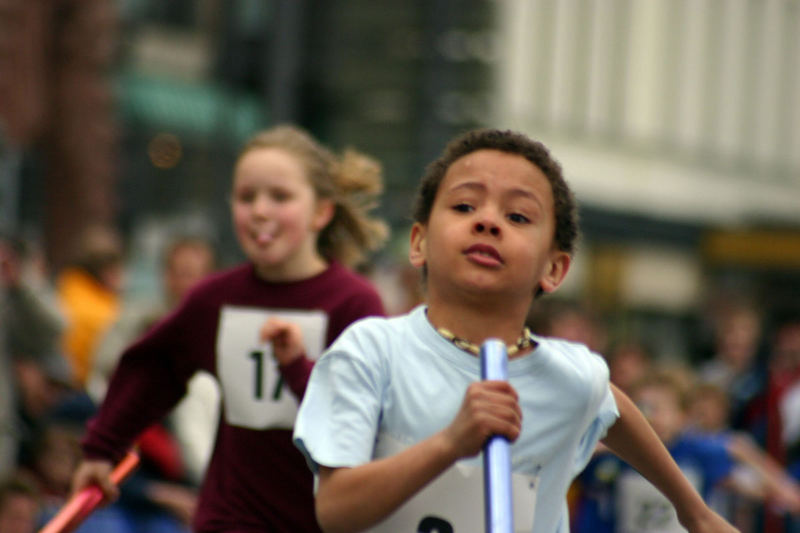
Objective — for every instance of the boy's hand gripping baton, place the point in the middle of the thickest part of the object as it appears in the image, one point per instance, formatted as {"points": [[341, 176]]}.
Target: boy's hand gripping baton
{"points": [[82, 503], [497, 450]]}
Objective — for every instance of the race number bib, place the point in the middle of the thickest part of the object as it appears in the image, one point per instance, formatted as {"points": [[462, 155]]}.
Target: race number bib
{"points": [[253, 392], [454, 503], [643, 509]]}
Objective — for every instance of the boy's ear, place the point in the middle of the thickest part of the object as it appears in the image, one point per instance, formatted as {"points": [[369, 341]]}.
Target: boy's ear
{"points": [[323, 213], [416, 250], [557, 271]]}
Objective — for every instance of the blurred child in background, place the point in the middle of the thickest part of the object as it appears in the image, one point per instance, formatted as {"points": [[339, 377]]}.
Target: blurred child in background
{"points": [[615, 498], [89, 291], [301, 216]]}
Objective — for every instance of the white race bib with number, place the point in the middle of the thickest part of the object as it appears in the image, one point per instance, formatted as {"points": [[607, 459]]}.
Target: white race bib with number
{"points": [[254, 395], [454, 503]]}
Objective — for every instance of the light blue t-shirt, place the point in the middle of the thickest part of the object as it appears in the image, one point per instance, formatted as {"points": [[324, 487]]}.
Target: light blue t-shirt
{"points": [[388, 383]]}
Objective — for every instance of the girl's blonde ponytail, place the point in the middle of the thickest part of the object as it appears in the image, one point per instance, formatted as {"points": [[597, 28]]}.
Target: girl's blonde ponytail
{"points": [[353, 231]]}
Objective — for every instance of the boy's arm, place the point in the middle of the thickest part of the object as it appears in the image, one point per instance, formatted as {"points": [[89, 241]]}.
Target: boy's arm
{"points": [[353, 499], [634, 441]]}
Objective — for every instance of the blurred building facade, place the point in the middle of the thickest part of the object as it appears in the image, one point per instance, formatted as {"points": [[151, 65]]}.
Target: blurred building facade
{"points": [[56, 99], [677, 122]]}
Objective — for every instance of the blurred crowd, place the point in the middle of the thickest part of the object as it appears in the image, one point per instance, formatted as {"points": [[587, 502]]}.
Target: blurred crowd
{"points": [[62, 334], [731, 416]]}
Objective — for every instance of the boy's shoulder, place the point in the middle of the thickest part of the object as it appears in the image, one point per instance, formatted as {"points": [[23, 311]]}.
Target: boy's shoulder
{"points": [[572, 355], [381, 326]]}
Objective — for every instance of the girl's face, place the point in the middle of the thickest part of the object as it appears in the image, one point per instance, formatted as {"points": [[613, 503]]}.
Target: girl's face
{"points": [[491, 229], [276, 215]]}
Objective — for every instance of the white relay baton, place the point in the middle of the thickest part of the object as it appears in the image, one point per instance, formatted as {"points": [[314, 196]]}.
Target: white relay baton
{"points": [[497, 450]]}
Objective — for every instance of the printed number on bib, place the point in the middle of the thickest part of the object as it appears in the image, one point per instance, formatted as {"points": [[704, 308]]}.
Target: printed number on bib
{"points": [[253, 391]]}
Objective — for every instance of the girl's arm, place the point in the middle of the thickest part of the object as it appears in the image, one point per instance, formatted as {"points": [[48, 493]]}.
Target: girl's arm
{"points": [[634, 441], [352, 499]]}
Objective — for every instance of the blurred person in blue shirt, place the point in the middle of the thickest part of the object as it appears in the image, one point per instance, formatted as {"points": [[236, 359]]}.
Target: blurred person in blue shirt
{"points": [[614, 498]]}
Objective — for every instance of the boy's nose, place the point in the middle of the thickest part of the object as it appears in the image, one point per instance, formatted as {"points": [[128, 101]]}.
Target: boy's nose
{"points": [[486, 226]]}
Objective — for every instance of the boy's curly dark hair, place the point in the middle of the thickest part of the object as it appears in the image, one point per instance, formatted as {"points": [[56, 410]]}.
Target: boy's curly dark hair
{"points": [[564, 206]]}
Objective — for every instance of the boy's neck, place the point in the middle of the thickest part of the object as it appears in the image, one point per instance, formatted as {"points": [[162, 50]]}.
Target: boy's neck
{"points": [[480, 322]]}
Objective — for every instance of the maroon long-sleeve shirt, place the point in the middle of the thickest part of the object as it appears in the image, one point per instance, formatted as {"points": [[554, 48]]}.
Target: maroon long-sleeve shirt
{"points": [[256, 479]]}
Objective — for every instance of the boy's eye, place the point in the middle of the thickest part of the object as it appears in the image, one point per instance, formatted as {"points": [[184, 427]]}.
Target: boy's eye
{"points": [[518, 218], [462, 208]]}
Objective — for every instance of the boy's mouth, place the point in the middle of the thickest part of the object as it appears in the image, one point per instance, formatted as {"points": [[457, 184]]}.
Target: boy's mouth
{"points": [[484, 254]]}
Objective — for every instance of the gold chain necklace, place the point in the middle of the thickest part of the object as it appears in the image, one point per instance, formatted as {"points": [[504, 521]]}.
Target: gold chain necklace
{"points": [[523, 342]]}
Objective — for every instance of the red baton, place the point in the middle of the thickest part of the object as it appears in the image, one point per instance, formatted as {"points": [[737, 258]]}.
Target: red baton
{"points": [[81, 505]]}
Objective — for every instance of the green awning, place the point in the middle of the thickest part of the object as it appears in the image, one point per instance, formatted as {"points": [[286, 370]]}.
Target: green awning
{"points": [[195, 109]]}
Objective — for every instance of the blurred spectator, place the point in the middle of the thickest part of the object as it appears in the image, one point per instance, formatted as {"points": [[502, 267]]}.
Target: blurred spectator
{"points": [[19, 506], [176, 452], [34, 373], [400, 286], [8, 449], [783, 441], [54, 455], [32, 320], [616, 498], [785, 391], [738, 365], [629, 360], [89, 292], [757, 477], [8, 441], [186, 260], [40, 384], [568, 320]]}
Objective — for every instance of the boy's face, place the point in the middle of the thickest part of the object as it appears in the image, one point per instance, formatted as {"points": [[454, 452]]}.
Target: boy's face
{"points": [[490, 229], [660, 406]]}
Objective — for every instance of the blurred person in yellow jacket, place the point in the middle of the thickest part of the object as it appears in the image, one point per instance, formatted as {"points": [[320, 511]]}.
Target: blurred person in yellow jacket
{"points": [[89, 292]]}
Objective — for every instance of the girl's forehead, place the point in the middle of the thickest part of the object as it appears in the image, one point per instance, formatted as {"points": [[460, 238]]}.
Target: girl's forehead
{"points": [[269, 155], [270, 163]]}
